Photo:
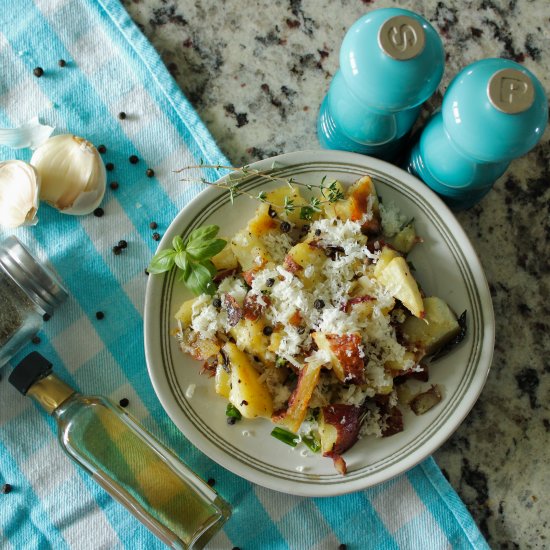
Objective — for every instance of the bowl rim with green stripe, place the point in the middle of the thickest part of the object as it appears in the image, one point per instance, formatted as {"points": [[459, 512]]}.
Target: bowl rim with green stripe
{"points": [[446, 265]]}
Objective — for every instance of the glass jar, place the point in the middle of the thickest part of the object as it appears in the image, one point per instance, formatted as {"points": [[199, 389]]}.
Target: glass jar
{"points": [[28, 291]]}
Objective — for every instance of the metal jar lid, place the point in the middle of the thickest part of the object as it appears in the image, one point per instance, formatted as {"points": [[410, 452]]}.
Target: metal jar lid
{"points": [[31, 276]]}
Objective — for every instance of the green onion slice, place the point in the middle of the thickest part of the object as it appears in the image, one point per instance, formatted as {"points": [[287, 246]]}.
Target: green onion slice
{"points": [[311, 442], [285, 436], [233, 412]]}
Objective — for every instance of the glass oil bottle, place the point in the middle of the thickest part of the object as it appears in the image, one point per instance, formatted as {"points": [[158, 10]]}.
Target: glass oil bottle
{"points": [[132, 466]]}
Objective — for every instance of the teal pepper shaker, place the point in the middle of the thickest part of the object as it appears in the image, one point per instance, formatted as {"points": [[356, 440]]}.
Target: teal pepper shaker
{"points": [[391, 61], [494, 111]]}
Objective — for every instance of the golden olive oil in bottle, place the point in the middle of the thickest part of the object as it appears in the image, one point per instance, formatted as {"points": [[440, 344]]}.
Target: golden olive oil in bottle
{"points": [[132, 466]]}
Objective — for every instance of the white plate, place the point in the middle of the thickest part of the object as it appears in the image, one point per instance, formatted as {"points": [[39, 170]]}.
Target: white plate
{"points": [[446, 266]]}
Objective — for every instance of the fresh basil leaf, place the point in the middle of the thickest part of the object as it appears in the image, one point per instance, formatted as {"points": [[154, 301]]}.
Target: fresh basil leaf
{"points": [[162, 261], [177, 243], [202, 250], [205, 233], [182, 261], [211, 267], [200, 281]]}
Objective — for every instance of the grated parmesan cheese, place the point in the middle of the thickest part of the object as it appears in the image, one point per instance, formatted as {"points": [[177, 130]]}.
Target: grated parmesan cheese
{"points": [[277, 245], [392, 219]]}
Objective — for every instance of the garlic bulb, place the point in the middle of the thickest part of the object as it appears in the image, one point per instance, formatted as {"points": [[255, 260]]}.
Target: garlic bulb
{"points": [[72, 174], [19, 188]]}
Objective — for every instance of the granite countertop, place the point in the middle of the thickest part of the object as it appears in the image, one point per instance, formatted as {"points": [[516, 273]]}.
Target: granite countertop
{"points": [[257, 75]]}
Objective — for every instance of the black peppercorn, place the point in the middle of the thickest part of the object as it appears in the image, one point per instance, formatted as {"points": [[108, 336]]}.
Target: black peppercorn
{"points": [[124, 402], [117, 250], [98, 212], [46, 317], [109, 167], [102, 149], [122, 244], [149, 172], [133, 159], [211, 482], [113, 185], [217, 303], [285, 227], [268, 331], [270, 282], [231, 420], [6, 488], [156, 236], [62, 63], [36, 340], [342, 547], [146, 272], [153, 225], [272, 213], [38, 72], [319, 304], [99, 315], [317, 232], [122, 115]]}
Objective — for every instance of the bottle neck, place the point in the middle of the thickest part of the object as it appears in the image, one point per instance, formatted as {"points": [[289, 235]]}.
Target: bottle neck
{"points": [[50, 392]]}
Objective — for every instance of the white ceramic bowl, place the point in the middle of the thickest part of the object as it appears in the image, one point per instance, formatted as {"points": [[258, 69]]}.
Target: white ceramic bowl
{"points": [[446, 266]]}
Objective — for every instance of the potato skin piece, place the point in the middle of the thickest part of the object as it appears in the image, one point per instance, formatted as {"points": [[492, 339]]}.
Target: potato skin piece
{"points": [[345, 421], [347, 348], [347, 368], [298, 403], [424, 401]]}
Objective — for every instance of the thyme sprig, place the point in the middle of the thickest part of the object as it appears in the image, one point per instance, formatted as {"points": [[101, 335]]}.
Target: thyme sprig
{"points": [[330, 192]]}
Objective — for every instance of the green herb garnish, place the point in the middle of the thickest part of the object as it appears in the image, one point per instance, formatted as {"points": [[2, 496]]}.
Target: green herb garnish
{"points": [[285, 436], [192, 258], [329, 192], [311, 442], [232, 412]]}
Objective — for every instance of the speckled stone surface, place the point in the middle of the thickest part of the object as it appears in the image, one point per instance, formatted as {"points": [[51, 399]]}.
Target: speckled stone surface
{"points": [[256, 71]]}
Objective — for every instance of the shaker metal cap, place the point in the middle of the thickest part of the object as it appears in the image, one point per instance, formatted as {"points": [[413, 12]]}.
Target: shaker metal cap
{"points": [[36, 280], [402, 37], [511, 91]]}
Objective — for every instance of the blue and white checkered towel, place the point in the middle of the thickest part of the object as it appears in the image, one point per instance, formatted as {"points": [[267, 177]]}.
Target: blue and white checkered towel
{"points": [[112, 68]]}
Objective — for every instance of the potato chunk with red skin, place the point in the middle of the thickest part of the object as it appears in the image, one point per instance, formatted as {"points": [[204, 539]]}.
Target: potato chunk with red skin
{"points": [[360, 193], [253, 308], [339, 426], [346, 355], [360, 201], [298, 402]]}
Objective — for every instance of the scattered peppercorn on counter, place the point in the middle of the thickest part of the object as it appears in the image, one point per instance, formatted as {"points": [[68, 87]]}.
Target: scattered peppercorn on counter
{"points": [[316, 322]]}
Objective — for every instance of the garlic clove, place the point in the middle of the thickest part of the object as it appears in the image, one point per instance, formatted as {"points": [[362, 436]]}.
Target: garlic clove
{"points": [[72, 174], [19, 190], [31, 134]]}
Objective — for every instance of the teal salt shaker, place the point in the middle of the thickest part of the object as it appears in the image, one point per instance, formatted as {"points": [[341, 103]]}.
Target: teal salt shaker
{"points": [[391, 61], [494, 111]]}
